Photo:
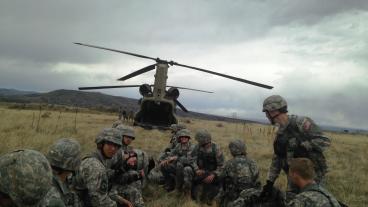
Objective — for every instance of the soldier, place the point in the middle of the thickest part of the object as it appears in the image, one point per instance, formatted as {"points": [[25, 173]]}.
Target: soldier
{"points": [[25, 179], [64, 157], [128, 180], [175, 128], [92, 179], [297, 136], [128, 137], [302, 174], [207, 161], [176, 168], [240, 173]]}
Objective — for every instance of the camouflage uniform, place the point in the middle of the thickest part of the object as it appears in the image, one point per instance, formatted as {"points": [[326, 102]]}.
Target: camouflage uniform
{"points": [[240, 173], [314, 195], [211, 160], [300, 137], [25, 176], [127, 182], [64, 155], [180, 171], [92, 179]]}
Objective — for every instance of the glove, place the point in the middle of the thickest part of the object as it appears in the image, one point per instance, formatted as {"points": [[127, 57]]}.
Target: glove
{"points": [[267, 189]]}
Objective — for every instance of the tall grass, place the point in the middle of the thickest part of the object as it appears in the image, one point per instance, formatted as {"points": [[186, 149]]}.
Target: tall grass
{"points": [[347, 157]]}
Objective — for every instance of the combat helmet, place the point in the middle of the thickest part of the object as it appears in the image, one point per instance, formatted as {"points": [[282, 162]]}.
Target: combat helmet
{"points": [[25, 175], [112, 135], [128, 132], [65, 154], [203, 137], [183, 133], [274, 102], [237, 147]]}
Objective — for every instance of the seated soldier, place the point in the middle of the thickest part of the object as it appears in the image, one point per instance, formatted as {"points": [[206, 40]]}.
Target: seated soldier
{"points": [[207, 160], [302, 174], [176, 167], [25, 179], [92, 178], [64, 157], [128, 179], [240, 173]]}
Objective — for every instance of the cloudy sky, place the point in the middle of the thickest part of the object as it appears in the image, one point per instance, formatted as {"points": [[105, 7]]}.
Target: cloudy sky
{"points": [[315, 53]]}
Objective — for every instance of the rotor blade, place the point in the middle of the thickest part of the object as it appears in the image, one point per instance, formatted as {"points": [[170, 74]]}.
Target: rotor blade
{"points": [[191, 89], [181, 106], [119, 51], [226, 76], [138, 72], [106, 87]]}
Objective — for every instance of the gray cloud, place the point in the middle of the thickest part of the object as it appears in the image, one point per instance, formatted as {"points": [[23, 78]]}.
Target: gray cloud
{"points": [[313, 52]]}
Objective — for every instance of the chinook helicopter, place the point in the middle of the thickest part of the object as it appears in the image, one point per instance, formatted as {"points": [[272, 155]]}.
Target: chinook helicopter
{"points": [[158, 104]]}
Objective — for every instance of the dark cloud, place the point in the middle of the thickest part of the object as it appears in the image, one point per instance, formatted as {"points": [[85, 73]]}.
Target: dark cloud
{"points": [[37, 51]]}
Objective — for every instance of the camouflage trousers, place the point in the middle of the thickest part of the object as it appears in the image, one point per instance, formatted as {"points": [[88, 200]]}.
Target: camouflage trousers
{"points": [[180, 174], [131, 192], [205, 193]]}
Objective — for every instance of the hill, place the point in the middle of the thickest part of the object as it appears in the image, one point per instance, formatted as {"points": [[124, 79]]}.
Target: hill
{"points": [[91, 100]]}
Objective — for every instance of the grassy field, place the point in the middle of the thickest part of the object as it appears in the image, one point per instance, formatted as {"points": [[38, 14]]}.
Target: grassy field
{"points": [[347, 157]]}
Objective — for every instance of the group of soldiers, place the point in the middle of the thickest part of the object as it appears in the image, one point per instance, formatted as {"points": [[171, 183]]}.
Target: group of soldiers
{"points": [[115, 173]]}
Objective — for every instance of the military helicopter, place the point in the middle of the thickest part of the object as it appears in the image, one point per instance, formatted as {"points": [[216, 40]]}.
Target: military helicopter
{"points": [[158, 104]]}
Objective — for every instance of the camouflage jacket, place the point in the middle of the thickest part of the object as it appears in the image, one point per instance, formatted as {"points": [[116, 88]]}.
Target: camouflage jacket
{"points": [[240, 173], [301, 137], [60, 191], [92, 181], [209, 159], [314, 195], [52, 198], [182, 152]]}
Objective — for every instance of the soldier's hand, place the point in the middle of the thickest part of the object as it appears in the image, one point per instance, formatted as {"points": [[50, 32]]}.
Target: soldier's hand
{"points": [[164, 163], [267, 189], [307, 145], [141, 173], [124, 202], [200, 172], [173, 158], [209, 179]]}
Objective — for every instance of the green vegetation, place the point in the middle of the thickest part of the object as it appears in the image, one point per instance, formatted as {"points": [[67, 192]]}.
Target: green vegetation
{"points": [[21, 128]]}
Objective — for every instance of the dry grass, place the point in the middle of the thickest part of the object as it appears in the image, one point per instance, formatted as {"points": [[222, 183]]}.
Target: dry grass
{"points": [[346, 157]]}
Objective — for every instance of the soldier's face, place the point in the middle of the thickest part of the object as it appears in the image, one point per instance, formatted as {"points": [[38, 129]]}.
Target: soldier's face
{"points": [[127, 140], [295, 178], [132, 161], [109, 149], [184, 140], [272, 116]]}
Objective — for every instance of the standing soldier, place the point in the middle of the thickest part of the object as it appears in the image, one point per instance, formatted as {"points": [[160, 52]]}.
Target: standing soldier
{"points": [[64, 157], [176, 167], [25, 179], [208, 162], [302, 174], [92, 179], [240, 173], [297, 136]]}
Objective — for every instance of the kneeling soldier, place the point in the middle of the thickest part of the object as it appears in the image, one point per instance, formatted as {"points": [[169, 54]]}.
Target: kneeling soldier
{"points": [[240, 173]]}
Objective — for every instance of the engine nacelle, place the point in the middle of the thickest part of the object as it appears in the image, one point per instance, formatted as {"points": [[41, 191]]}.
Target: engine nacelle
{"points": [[145, 90], [173, 93]]}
